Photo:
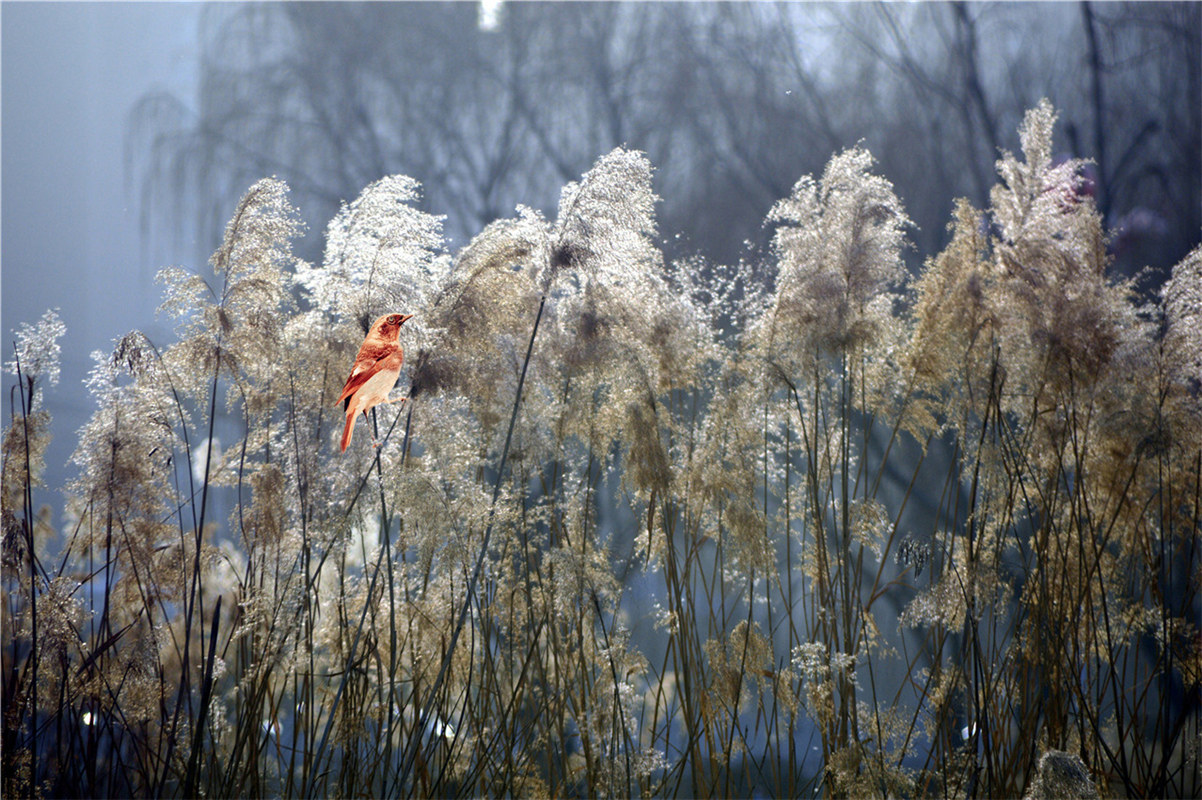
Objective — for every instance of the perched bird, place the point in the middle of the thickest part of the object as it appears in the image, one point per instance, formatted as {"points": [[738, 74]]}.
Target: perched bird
{"points": [[377, 367]]}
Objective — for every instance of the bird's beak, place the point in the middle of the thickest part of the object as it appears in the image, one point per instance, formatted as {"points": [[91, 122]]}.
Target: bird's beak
{"points": [[405, 318]]}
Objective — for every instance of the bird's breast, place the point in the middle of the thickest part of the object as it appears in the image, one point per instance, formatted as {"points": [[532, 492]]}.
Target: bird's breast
{"points": [[376, 388]]}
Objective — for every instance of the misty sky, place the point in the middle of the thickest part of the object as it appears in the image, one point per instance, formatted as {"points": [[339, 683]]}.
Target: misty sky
{"points": [[69, 74]]}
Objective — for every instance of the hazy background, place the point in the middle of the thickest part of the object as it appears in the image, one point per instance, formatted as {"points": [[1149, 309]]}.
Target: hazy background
{"points": [[71, 236], [129, 130]]}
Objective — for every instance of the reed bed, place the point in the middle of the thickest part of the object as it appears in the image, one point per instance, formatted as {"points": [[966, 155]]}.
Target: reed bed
{"points": [[815, 524]]}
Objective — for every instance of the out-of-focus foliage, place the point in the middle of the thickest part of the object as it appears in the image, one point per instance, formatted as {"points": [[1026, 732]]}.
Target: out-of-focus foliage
{"points": [[641, 526], [731, 101]]}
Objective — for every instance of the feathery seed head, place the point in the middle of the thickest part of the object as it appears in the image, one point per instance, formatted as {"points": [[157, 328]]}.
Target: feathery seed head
{"points": [[38, 350]]}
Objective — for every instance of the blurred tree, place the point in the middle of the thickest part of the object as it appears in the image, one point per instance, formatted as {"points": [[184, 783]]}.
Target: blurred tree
{"points": [[1144, 119], [731, 102]]}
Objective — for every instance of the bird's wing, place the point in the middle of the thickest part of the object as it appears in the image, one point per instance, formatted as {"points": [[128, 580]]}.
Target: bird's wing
{"points": [[365, 367]]}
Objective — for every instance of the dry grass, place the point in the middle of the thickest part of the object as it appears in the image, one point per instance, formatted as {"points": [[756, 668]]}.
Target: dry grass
{"points": [[642, 529]]}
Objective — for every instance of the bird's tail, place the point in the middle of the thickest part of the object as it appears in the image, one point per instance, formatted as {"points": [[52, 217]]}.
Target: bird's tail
{"points": [[348, 431]]}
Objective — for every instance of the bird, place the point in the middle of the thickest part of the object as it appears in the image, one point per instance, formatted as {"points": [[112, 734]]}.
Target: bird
{"points": [[377, 367]]}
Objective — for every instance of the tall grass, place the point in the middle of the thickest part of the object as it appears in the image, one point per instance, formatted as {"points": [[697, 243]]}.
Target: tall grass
{"points": [[809, 526]]}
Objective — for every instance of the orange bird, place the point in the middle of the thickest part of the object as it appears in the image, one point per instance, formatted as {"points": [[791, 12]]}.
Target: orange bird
{"points": [[377, 367]]}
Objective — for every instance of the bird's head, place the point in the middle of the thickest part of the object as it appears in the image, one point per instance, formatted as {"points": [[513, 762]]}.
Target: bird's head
{"points": [[389, 325], [397, 320]]}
